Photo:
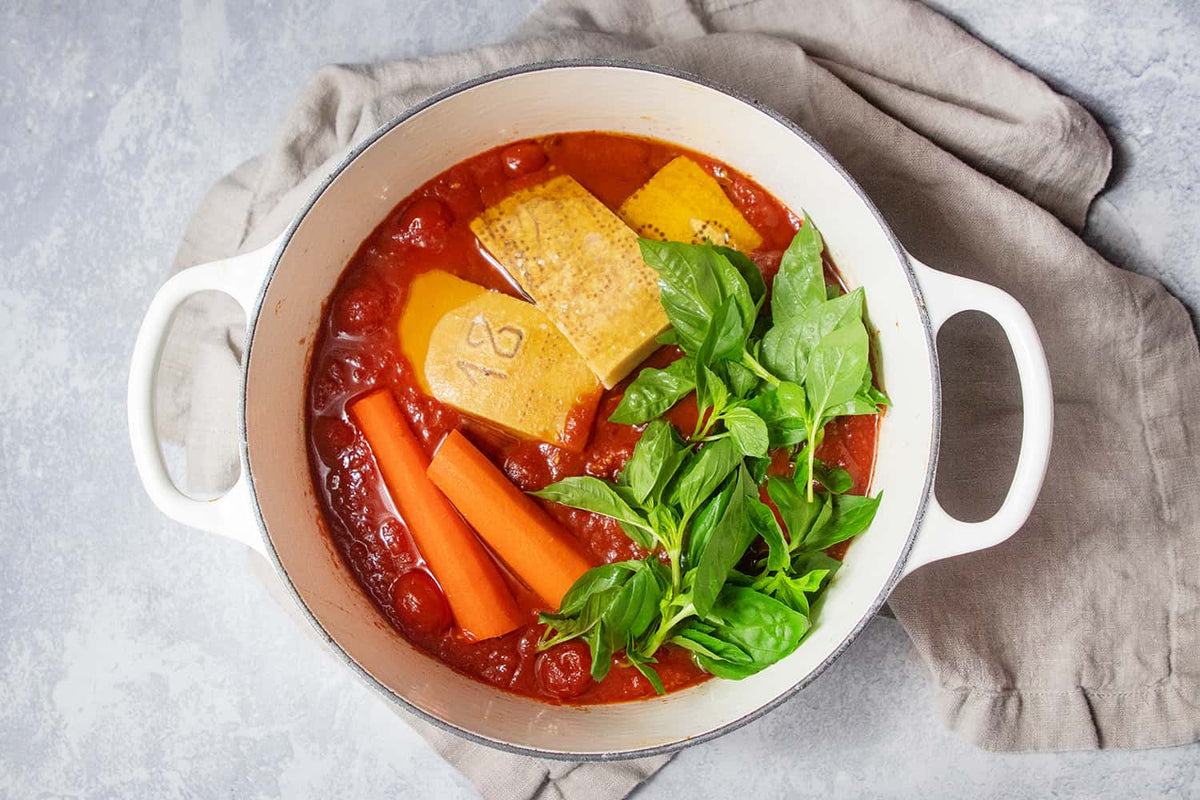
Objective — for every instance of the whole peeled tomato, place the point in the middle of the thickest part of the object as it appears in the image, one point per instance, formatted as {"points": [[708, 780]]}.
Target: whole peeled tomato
{"points": [[565, 670], [420, 604], [333, 437], [359, 311], [425, 222], [522, 158]]}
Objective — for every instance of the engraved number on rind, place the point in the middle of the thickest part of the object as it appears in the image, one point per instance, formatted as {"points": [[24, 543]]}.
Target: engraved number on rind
{"points": [[506, 342]]}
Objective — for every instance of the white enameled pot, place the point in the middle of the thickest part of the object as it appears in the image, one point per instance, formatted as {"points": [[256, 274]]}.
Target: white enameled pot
{"points": [[282, 288]]}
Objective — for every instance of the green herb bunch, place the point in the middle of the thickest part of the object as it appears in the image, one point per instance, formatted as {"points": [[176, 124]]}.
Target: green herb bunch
{"points": [[764, 378]]}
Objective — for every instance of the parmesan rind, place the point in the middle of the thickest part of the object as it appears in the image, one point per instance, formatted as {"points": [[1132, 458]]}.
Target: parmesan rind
{"points": [[582, 266], [500, 359], [683, 203]]}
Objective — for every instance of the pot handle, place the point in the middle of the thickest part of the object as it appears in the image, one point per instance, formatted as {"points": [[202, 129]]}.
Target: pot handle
{"points": [[942, 535], [241, 277]]}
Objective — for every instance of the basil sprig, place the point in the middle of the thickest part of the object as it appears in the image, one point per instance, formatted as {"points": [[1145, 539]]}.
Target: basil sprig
{"points": [[766, 376]]}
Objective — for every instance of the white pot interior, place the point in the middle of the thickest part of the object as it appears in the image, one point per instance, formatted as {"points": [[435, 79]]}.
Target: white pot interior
{"points": [[529, 104]]}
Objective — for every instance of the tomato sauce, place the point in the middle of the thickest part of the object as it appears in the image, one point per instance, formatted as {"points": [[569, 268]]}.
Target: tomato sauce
{"points": [[357, 351]]}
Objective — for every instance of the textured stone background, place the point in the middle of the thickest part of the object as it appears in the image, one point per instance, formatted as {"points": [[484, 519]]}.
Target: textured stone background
{"points": [[142, 659]]}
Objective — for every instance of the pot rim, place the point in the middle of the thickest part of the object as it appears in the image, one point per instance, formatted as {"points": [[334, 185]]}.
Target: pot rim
{"points": [[885, 590]]}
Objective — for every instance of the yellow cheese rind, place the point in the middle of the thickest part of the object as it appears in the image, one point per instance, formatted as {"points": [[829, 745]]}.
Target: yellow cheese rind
{"points": [[501, 359], [683, 203], [431, 295], [582, 266]]}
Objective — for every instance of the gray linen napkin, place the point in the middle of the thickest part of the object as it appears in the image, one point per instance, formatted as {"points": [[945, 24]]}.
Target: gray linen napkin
{"points": [[1083, 631]]}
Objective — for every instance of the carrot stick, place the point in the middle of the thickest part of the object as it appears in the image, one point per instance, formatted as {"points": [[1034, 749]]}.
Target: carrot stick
{"points": [[474, 587], [515, 527]]}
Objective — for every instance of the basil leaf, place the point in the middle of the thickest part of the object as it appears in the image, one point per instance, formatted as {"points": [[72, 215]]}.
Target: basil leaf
{"points": [[656, 457], [742, 382], [818, 526], [726, 335], [654, 391], [747, 430], [762, 520], [585, 609], [694, 283], [780, 354], [850, 516], [803, 563], [856, 406], [758, 625], [703, 473], [819, 321], [799, 515], [758, 468], [594, 581], [689, 288], [601, 646], [667, 337], [609, 606], [697, 641], [710, 391], [634, 607], [791, 591], [592, 494], [724, 546], [835, 479], [783, 409], [800, 282], [836, 368], [735, 286], [810, 581], [813, 568], [706, 521], [787, 348], [648, 672], [751, 273]]}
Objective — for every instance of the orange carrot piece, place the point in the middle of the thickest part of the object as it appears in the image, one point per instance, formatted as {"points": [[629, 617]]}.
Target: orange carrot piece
{"points": [[481, 602], [515, 527]]}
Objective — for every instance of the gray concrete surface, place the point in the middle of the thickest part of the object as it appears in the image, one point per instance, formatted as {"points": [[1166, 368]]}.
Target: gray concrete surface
{"points": [[142, 659]]}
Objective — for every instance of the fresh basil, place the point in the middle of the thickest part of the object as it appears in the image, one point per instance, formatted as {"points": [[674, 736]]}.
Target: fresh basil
{"points": [[592, 494], [642, 665], [835, 370], [689, 288], [835, 480], [704, 472], [635, 606], [697, 638], [722, 550], [784, 410], [849, 516], [757, 625], [742, 382], [793, 592], [799, 515], [654, 391], [656, 457], [750, 272], [707, 518], [800, 282], [762, 519], [788, 348], [748, 431], [767, 381], [595, 581]]}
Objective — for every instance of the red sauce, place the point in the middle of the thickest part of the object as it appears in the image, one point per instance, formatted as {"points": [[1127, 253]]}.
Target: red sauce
{"points": [[356, 352]]}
